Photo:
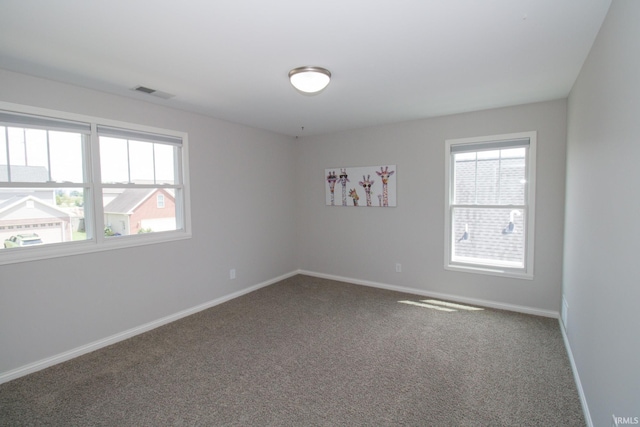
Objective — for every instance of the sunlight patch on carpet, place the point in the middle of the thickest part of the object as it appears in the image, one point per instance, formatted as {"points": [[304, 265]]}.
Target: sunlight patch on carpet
{"points": [[440, 305], [421, 304], [452, 305]]}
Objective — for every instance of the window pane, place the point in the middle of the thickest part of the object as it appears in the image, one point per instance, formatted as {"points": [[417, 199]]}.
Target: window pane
{"points": [[40, 216], [136, 162], [465, 178], [141, 161], [165, 160], [33, 151], [487, 177], [135, 210], [512, 176], [17, 147], [114, 160], [66, 156], [489, 236], [490, 177], [37, 153], [28, 155]]}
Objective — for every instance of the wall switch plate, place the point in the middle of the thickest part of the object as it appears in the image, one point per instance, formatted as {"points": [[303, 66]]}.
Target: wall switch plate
{"points": [[232, 273], [398, 267]]}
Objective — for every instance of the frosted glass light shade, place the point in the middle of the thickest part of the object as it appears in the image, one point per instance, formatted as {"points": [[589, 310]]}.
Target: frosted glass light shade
{"points": [[309, 79]]}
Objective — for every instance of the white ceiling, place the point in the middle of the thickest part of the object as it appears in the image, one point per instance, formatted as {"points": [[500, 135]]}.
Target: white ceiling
{"points": [[391, 60]]}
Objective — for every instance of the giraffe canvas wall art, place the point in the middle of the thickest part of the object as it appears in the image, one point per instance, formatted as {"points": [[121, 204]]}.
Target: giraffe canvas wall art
{"points": [[377, 183]]}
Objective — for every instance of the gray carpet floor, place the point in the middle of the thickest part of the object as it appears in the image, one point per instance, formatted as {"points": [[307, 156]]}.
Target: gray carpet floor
{"points": [[314, 352]]}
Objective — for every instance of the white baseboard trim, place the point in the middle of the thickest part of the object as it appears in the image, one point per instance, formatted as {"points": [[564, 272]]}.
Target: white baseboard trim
{"points": [[576, 377], [471, 301], [84, 349]]}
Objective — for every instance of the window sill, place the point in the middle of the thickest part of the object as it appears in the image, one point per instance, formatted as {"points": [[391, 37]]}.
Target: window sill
{"points": [[490, 271], [18, 255]]}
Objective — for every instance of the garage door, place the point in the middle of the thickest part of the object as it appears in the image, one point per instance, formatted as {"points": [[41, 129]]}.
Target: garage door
{"points": [[159, 224]]}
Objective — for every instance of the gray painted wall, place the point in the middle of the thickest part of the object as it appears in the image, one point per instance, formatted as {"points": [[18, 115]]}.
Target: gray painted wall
{"points": [[602, 240], [366, 243], [242, 214]]}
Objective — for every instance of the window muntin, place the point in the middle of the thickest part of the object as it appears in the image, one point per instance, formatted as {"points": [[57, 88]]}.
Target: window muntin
{"points": [[489, 205], [50, 175]]}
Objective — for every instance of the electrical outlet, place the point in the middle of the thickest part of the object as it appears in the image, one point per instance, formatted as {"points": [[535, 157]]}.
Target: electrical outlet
{"points": [[398, 267], [232, 273]]}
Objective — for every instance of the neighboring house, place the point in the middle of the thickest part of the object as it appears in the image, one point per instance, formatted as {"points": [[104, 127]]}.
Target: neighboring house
{"points": [[135, 210], [25, 211], [29, 214]]}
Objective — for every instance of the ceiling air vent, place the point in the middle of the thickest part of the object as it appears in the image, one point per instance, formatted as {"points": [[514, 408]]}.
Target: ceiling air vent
{"points": [[153, 92]]}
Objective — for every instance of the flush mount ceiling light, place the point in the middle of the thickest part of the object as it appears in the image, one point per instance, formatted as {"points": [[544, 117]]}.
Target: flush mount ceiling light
{"points": [[310, 79]]}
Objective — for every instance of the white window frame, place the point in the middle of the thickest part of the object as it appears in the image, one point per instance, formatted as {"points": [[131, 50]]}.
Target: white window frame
{"points": [[529, 206], [94, 210], [160, 201]]}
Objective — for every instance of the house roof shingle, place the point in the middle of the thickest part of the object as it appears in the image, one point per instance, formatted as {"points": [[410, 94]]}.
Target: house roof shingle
{"points": [[25, 173], [128, 200]]}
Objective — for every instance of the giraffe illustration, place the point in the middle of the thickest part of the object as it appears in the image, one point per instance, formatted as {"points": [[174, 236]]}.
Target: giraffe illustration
{"points": [[367, 183], [331, 179], [385, 174], [354, 195], [343, 180]]}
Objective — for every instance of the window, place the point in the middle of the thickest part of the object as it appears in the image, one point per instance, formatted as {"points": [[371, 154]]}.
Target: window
{"points": [[489, 204], [138, 176], [87, 184]]}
